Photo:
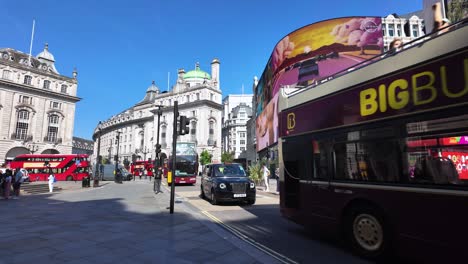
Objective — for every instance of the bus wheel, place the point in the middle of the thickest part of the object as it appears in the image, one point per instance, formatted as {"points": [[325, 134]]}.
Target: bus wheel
{"points": [[366, 232], [69, 178], [213, 198], [202, 193]]}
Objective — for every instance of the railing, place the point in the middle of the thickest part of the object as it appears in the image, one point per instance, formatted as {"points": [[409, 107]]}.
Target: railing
{"points": [[211, 142], [24, 137], [53, 140]]}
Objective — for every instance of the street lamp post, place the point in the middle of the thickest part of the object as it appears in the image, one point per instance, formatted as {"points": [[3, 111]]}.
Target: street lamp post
{"points": [[158, 147], [117, 179], [98, 160]]}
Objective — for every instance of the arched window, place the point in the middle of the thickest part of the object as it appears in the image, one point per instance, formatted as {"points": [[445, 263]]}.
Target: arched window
{"points": [[163, 137], [53, 128], [28, 79], [193, 131], [211, 134], [22, 125], [46, 84]]}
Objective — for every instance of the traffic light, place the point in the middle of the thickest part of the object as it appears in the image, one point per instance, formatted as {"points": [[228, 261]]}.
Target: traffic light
{"points": [[184, 125], [158, 149]]}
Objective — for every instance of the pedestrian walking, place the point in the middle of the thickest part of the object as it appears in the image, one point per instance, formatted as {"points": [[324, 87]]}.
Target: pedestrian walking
{"points": [[19, 178], [266, 174], [157, 180], [7, 183], [51, 182]]}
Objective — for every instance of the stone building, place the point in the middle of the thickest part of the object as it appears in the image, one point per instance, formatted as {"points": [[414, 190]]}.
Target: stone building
{"points": [[237, 111], [37, 105], [199, 98]]}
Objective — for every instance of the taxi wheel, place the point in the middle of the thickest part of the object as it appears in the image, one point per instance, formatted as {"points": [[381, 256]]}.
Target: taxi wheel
{"points": [[202, 193], [213, 198]]}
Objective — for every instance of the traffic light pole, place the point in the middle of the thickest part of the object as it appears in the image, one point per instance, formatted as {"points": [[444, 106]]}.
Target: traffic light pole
{"points": [[174, 145], [116, 178]]}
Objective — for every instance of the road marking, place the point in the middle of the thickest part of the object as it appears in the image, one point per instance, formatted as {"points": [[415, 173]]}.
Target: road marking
{"points": [[281, 258]]}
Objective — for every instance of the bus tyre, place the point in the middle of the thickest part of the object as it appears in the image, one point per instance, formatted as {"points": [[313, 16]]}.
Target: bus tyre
{"points": [[202, 193], [366, 232], [213, 198], [69, 178]]}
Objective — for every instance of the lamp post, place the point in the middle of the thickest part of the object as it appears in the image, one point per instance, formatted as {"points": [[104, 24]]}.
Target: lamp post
{"points": [[98, 159], [117, 179], [144, 151], [33, 148], [157, 147]]}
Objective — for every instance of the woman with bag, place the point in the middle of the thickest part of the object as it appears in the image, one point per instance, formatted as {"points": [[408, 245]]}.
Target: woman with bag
{"points": [[51, 182]]}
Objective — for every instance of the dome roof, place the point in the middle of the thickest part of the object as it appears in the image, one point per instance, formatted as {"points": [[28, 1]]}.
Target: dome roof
{"points": [[45, 54], [197, 74], [153, 88]]}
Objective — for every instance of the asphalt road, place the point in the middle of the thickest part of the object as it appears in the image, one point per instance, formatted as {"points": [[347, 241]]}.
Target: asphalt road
{"points": [[263, 225]]}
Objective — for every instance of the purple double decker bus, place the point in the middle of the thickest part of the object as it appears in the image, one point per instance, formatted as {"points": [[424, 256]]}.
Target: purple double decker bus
{"points": [[379, 154]]}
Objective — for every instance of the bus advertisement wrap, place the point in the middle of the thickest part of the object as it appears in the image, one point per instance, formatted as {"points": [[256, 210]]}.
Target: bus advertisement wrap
{"points": [[313, 53], [426, 87]]}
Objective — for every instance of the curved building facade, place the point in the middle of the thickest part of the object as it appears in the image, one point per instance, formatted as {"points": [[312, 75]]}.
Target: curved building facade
{"points": [[199, 98]]}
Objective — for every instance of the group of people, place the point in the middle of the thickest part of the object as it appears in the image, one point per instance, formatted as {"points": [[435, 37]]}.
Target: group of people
{"points": [[12, 179]]}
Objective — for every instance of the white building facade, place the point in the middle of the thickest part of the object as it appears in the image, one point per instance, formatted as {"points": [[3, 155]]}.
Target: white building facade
{"points": [[199, 98], [237, 110], [37, 105], [394, 27]]}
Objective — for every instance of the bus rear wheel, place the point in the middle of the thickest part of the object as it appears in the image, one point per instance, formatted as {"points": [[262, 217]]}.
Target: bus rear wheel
{"points": [[366, 232], [69, 178]]}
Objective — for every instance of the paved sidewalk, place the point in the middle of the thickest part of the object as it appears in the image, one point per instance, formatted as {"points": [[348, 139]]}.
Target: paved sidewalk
{"points": [[121, 223]]}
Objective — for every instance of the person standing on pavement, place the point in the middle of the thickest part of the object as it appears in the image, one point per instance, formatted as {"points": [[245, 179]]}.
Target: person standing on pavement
{"points": [[51, 182], [266, 173], [7, 183], [157, 180], [277, 179], [19, 178]]}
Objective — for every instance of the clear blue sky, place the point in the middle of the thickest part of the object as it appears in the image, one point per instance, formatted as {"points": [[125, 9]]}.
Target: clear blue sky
{"points": [[119, 47]]}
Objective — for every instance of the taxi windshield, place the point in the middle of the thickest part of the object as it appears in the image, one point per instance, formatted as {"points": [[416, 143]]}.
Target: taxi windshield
{"points": [[229, 170]]}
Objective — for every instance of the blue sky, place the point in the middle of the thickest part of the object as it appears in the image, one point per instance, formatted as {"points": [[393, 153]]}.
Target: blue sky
{"points": [[119, 47]]}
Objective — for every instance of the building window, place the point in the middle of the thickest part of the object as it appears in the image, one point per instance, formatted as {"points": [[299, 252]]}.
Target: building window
{"points": [[46, 84], [55, 105], [398, 30], [188, 99], [242, 142], [211, 97], [242, 115], [198, 96], [52, 130], [415, 31], [28, 79], [242, 148], [6, 74], [391, 30], [242, 134], [64, 88], [25, 99], [22, 125], [193, 131], [163, 137]]}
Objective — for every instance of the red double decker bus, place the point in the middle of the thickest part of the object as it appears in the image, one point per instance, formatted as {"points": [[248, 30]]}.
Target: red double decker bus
{"points": [[186, 163], [138, 167], [65, 167]]}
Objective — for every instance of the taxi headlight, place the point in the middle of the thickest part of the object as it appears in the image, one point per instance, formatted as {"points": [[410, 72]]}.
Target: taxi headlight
{"points": [[222, 185], [252, 185]]}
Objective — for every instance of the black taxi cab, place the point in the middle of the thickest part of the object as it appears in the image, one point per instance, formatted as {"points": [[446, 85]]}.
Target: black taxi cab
{"points": [[227, 182]]}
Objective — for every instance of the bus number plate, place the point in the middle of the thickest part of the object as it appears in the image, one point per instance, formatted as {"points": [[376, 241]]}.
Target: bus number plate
{"points": [[236, 195]]}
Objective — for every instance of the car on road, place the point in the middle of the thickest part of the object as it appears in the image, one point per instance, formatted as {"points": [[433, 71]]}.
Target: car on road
{"points": [[107, 172], [227, 182]]}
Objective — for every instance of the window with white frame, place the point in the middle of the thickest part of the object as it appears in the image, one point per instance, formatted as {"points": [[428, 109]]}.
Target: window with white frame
{"points": [[27, 79], [391, 30], [6, 74], [414, 29], [46, 84], [52, 129], [22, 124]]}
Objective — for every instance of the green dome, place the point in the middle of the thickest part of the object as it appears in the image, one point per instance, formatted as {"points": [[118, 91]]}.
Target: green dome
{"points": [[197, 74]]}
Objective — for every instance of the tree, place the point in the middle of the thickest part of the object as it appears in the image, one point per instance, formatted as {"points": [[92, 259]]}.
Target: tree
{"points": [[205, 157], [456, 10], [255, 172], [227, 157]]}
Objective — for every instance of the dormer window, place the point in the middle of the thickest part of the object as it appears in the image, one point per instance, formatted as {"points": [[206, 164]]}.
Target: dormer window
{"points": [[28, 79], [46, 84]]}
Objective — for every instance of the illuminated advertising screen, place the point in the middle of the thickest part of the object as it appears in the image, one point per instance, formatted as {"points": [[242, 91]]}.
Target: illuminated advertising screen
{"points": [[460, 160], [313, 53], [266, 128]]}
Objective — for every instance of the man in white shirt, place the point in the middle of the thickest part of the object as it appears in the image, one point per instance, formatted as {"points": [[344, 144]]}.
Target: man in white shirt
{"points": [[266, 173]]}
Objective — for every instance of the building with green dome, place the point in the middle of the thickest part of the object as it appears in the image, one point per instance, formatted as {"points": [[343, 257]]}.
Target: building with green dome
{"points": [[199, 98]]}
